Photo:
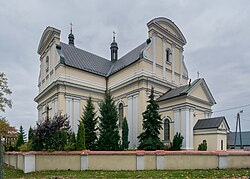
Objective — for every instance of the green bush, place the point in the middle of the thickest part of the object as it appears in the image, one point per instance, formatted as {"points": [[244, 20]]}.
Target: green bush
{"points": [[25, 147], [203, 146], [177, 141]]}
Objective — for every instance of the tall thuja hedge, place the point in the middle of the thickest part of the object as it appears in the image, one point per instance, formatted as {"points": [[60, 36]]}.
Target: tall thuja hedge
{"points": [[20, 139], [125, 132], [89, 120], [109, 134], [30, 134], [80, 139], [48, 134], [152, 124]]}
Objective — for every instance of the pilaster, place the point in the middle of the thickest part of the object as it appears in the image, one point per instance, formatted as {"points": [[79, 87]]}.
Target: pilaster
{"points": [[181, 63], [130, 120], [135, 119], [76, 113], [160, 161], [185, 129], [173, 62], [139, 161], [154, 52], [191, 126], [176, 121], [164, 58], [223, 161], [84, 162], [29, 163], [69, 109]]}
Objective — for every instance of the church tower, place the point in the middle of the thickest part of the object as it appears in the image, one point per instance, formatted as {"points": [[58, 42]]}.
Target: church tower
{"points": [[114, 49]]}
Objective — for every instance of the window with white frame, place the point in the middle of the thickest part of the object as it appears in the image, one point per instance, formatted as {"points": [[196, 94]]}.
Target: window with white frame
{"points": [[121, 114], [166, 129]]}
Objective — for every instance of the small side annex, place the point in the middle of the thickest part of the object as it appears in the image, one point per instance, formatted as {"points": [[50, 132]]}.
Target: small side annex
{"points": [[211, 130]]}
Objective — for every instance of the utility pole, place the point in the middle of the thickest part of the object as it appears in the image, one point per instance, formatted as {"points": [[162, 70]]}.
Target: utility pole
{"points": [[1, 158], [235, 137]]}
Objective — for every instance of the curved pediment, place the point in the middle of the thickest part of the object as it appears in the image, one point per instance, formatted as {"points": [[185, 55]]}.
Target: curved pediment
{"points": [[48, 35], [169, 27]]}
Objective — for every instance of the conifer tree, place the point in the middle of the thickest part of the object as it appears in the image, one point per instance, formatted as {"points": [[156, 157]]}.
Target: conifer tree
{"points": [[20, 139], [149, 138], [30, 134], [73, 141], [89, 120], [109, 134], [80, 139], [125, 132], [56, 140], [64, 139]]}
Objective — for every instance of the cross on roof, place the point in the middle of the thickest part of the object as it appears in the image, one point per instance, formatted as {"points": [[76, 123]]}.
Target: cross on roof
{"points": [[114, 35], [47, 109], [71, 26], [198, 74]]}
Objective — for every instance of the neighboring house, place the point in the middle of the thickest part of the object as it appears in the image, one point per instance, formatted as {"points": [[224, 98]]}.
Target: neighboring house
{"points": [[69, 75], [245, 137]]}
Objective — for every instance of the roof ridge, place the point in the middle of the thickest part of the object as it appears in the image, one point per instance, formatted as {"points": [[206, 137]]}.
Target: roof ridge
{"points": [[131, 51], [86, 51]]}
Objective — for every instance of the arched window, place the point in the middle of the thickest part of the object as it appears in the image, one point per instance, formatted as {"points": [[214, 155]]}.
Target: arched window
{"points": [[166, 129], [120, 114], [47, 64], [168, 53]]}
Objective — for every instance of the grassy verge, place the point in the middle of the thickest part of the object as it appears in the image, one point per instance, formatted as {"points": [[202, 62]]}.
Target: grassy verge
{"points": [[241, 173]]}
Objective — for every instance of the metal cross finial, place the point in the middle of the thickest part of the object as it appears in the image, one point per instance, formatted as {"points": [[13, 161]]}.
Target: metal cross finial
{"points": [[198, 74], [113, 35], [47, 109], [71, 26]]}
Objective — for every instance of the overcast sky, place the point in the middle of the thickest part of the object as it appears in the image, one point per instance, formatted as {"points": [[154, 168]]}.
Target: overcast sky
{"points": [[217, 34]]}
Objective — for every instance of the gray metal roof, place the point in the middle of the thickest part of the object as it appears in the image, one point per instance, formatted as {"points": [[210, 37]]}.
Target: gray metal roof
{"points": [[83, 60], [129, 58], [245, 136], [179, 91], [210, 123]]}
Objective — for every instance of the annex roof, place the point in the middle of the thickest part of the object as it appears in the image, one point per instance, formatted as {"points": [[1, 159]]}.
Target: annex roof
{"points": [[186, 90], [210, 123], [83, 60]]}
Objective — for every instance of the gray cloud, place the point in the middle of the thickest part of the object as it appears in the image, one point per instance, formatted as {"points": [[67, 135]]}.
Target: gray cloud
{"points": [[217, 34]]}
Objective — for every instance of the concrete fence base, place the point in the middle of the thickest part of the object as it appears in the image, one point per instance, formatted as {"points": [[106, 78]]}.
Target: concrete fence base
{"points": [[127, 160]]}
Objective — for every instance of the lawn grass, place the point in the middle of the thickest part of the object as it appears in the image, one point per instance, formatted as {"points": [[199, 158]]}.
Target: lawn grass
{"points": [[240, 173]]}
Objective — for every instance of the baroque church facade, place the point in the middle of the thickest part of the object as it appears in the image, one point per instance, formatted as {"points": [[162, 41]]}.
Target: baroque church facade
{"points": [[69, 75]]}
